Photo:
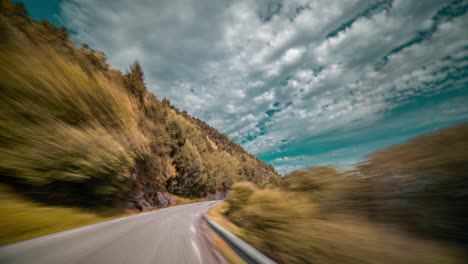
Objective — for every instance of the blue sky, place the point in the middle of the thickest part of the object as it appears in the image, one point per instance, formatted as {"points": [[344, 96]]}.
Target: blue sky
{"points": [[297, 83]]}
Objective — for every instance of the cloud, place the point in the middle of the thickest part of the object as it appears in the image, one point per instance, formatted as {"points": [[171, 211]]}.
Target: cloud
{"points": [[272, 74]]}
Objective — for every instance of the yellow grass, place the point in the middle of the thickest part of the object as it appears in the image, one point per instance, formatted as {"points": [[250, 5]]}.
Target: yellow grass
{"points": [[216, 214], [21, 219], [225, 250], [181, 200]]}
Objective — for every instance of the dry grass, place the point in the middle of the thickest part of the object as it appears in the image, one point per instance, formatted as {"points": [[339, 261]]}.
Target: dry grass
{"points": [[225, 249], [21, 219], [181, 200], [216, 214]]}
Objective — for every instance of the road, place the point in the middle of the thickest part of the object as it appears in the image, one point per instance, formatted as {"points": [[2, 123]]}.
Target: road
{"points": [[170, 235]]}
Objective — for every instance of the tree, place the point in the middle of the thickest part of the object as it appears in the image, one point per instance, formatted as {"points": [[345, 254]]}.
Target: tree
{"points": [[134, 81], [189, 179]]}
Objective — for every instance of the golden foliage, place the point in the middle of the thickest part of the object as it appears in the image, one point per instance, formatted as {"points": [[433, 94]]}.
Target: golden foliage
{"points": [[74, 129]]}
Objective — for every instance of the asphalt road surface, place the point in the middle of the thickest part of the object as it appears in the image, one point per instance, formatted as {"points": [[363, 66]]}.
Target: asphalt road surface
{"points": [[170, 235]]}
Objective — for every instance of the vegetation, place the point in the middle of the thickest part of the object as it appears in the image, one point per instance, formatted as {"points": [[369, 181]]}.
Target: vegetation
{"points": [[405, 204], [423, 184], [215, 213], [75, 131], [22, 219], [239, 195]]}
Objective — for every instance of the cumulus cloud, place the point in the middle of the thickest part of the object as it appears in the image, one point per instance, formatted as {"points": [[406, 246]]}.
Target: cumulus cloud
{"points": [[272, 73]]}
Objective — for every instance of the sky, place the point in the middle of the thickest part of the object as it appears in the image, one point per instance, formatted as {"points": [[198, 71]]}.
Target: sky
{"points": [[297, 83]]}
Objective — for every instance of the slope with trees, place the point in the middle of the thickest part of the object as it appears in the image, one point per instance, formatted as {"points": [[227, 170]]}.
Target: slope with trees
{"points": [[76, 131]]}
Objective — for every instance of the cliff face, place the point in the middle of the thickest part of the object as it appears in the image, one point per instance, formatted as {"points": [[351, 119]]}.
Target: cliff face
{"points": [[76, 131]]}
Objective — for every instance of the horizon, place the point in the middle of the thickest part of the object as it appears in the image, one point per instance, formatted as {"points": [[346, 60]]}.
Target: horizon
{"points": [[293, 90]]}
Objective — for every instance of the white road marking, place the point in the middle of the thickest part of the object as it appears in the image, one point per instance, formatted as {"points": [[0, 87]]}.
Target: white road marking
{"points": [[192, 228], [197, 251]]}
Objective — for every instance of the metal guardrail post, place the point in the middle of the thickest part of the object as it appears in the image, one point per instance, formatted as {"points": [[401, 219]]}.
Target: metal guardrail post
{"points": [[244, 250]]}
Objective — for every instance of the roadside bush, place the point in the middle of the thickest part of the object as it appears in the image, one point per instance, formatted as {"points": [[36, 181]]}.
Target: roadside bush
{"points": [[269, 218], [309, 180], [290, 228], [238, 197]]}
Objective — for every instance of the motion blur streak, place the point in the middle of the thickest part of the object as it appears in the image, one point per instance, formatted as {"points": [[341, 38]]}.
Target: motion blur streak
{"points": [[405, 204], [86, 146]]}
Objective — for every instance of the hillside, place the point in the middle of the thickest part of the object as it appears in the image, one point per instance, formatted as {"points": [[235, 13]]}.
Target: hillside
{"points": [[75, 131]]}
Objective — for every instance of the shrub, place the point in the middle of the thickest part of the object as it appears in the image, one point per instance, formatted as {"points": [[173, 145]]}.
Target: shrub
{"points": [[309, 180], [238, 196]]}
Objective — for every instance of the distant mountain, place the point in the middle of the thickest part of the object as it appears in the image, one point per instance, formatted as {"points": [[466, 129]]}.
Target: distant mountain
{"points": [[74, 130]]}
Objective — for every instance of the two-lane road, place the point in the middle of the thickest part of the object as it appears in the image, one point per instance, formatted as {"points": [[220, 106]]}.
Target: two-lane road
{"points": [[169, 235]]}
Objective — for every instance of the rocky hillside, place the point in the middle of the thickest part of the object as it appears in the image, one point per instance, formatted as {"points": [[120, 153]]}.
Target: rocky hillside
{"points": [[76, 131]]}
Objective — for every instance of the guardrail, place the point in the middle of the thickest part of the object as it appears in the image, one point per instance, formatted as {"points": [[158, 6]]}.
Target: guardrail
{"points": [[244, 250]]}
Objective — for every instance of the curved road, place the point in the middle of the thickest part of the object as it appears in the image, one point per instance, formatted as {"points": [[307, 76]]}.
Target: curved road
{"points": [[170, 235]]}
